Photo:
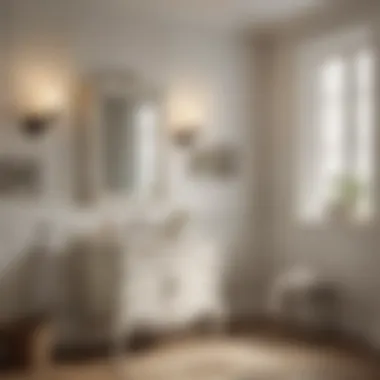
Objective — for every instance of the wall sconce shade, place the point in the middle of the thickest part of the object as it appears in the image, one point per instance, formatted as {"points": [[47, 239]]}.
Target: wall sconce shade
{"points": [[40, 94], [187, 114]]}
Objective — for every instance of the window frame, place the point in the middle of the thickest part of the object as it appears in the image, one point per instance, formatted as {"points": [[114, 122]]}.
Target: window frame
{"points": [[345, 44]]}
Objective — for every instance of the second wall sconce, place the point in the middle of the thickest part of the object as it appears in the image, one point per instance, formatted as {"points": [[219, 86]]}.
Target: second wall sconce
{"points": [[187, 116]]}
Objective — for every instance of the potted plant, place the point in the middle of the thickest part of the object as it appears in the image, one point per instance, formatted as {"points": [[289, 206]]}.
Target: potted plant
{"points": [[346, 192]]}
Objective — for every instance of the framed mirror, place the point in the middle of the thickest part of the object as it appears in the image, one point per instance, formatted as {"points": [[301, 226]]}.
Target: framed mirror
{"points": [[120, 139]]}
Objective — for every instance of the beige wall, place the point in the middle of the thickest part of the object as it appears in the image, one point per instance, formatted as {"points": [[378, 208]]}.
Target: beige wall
{"points": [[347, 253]]}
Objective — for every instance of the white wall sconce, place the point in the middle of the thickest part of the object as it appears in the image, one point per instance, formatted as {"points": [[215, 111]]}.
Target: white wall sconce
{"points": [[40, 99], [186, 117]]}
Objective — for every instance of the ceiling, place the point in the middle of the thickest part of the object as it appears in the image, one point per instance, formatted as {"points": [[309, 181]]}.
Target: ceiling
{"points": [[215, 13]]}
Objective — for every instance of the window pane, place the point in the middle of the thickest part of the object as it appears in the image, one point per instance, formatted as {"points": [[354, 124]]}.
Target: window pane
{"points": [[331, 77], [330, 128], [364, 130]]}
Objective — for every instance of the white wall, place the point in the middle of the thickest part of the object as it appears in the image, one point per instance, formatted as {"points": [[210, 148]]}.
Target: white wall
{"points": [[80, 36], [72, 38], [349, 254]]}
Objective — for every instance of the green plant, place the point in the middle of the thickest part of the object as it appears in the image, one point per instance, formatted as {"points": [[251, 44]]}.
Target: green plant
{"points": [[347, 190]]}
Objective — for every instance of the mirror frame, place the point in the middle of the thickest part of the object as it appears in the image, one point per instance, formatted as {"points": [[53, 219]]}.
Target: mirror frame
{"points": [[90, 182]]}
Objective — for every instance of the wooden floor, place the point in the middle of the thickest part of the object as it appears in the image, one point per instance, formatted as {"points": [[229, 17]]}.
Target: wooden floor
{"points": [[211, 358]]}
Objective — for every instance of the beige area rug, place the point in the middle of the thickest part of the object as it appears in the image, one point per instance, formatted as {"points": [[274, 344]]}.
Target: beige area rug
{"points": [[244, 360], [216, 359]]}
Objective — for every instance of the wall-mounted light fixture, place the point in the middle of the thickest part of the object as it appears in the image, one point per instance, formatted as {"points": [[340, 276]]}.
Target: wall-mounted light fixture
{"points": [[40, 112], [40, 94], [187, 117]]}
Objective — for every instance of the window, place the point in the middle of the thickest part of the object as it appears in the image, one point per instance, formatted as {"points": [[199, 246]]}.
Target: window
{"points": [[337, 125]]}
